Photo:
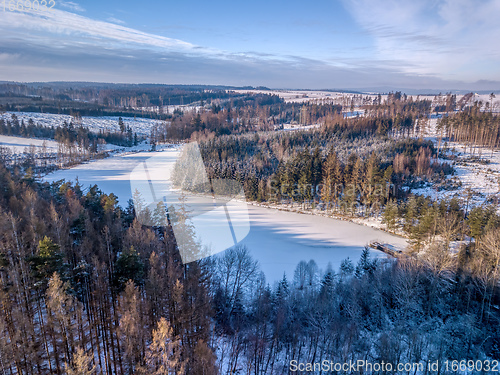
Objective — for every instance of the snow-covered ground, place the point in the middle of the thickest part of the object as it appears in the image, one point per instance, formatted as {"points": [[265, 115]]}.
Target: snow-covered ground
{"points": [[18, 145], [141, 126], [290, 127], [303, 96], [479, 182], [278, 240]]}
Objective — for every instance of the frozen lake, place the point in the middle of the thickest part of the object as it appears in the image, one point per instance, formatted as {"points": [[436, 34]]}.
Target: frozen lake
{"points": [[279, 240]]}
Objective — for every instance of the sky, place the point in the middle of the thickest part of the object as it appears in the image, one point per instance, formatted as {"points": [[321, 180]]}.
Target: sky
{"points": [[334, 44]]}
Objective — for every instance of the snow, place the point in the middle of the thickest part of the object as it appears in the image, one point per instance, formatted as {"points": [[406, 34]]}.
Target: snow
{"points": [[479, 182], [292, 127], [141, 126], [112, 174], [278, 240], [304, 96], [18, 145]]}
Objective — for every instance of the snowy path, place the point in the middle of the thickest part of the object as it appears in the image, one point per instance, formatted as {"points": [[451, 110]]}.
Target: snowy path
{"points": [[279, 240]]}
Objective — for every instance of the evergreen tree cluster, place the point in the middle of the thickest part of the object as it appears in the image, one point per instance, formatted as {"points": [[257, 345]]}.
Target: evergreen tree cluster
{"points": [[347, 174]]}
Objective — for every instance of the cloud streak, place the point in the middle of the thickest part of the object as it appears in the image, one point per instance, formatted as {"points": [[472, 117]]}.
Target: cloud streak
{"points": [[115, 20], [58, 24], [71, 6], [451, 39], [61, 45]]}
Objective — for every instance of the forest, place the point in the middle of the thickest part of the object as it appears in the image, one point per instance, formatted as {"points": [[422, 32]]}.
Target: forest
{"points": [[474, 128], [94, 99], [86, 289]]}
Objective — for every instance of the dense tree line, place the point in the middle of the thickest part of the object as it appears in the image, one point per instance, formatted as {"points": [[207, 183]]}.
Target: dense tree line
{"points": [[347, 167], [93, 99], [85, 289], [425, 221], [118, 95], [472, 127]]}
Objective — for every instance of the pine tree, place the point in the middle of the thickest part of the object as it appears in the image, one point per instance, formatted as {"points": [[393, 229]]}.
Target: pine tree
{"points": [[365, 265], [346, 267], [477, 221], [129, 266], [390, 215], [327, 283], [47, 260], [332, 178], [121, 124]]}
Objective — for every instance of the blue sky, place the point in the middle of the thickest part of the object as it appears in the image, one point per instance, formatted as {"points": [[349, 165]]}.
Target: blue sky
{"points": [[426, 44]]}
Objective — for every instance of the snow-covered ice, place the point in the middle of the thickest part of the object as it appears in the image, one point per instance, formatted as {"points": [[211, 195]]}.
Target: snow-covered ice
{"points": [[278, 240]]}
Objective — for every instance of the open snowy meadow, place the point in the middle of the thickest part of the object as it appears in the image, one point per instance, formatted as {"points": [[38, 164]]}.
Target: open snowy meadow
{"points": [[18, 145], [278, 240], [141, 126]]}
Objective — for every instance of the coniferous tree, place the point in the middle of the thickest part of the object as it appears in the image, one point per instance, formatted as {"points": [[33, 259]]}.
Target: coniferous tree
{"points": [[163, 355]]}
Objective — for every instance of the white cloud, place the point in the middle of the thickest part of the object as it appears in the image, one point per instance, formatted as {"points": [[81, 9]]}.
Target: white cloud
{"points": [[60, 29], [453, 39], [60, 45], [70, 5], [115, 20], [8, 57], [55, 26]]}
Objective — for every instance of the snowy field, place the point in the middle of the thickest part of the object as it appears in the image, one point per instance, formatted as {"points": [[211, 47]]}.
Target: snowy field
{"points": [[479, 182], [141, 126], [292, 127], [303, 96], [18, 145], [278, 240]]}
